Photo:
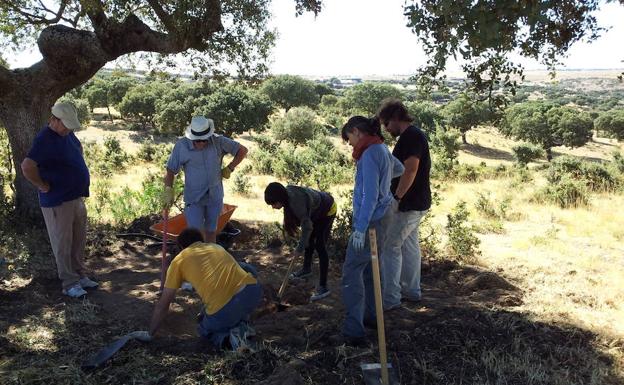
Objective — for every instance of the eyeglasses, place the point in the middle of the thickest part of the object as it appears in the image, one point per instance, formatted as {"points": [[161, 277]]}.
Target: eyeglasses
{"points": [[200, 140]]}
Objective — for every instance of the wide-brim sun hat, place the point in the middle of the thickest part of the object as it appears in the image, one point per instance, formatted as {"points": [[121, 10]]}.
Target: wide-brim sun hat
{"points": [[66, 112], [200, 128]]}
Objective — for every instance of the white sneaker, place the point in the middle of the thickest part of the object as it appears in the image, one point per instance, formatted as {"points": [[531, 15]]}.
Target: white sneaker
{"points": [[186, 286], [75, 291], [86, 283]]}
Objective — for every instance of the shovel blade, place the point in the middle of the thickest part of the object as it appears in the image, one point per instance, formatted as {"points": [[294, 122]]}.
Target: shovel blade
{"points": [[372, 374]]}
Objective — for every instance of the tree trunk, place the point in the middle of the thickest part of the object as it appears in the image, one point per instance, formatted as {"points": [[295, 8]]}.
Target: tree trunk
{"points": [[549, 154], [110, 116], [463, 136], [23, 121]]}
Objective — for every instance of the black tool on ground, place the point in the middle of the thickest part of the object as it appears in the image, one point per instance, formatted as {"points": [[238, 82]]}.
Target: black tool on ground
{"points": [[280, 305], [378, 373], [105, 354]]}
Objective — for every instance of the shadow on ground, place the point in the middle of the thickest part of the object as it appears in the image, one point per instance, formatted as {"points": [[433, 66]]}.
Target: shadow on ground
{"points": [[466, 330]]}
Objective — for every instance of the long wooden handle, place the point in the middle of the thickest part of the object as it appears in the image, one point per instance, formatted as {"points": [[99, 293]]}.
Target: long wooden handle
{"points": [[285, 281], [164, 265], [381, 333]]}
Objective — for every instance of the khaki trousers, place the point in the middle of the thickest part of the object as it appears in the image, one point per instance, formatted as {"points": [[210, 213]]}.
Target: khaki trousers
{"points": [[67, 229]]}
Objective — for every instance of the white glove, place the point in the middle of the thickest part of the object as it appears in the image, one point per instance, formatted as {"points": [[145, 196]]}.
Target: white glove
{"points": [[141, 335], [357, 239]]}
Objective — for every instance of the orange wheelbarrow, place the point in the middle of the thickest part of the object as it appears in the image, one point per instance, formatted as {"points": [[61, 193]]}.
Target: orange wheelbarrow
{"points": [[170, 228]]}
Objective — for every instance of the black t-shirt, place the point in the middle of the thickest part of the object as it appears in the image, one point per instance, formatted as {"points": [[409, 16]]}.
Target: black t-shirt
{"points": [[413, 142]]}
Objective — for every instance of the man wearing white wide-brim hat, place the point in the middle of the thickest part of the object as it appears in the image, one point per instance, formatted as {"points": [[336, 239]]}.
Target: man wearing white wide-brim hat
{"points": [[200, 154]]}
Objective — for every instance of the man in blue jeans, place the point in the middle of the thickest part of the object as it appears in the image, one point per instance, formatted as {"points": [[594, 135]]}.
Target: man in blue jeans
{"points": [[400, 265], [230, 291]]}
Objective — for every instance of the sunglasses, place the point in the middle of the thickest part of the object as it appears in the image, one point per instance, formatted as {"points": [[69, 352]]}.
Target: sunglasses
{"points": [[200, 141]]}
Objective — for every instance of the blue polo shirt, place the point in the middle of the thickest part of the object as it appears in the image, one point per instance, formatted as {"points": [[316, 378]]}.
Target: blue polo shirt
{"points": [[202, 168], [61, 165]]}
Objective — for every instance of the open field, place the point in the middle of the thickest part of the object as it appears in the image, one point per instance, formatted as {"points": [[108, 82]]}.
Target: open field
{"points": [[542, 304]]}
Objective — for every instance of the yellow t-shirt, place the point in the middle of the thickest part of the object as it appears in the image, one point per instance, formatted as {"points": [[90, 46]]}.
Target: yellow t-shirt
{"points": [[332, 209], [213, 272]]}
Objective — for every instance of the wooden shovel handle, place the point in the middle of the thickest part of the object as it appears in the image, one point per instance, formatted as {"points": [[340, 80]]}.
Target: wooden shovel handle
{"points": [[285, 281], [381, 333]]}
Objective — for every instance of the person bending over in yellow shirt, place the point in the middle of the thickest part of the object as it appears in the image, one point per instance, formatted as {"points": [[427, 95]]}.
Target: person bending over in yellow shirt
{"points": [[229, 290]]}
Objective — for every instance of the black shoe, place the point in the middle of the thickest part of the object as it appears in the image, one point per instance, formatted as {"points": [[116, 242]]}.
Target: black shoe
{"points": [[356, 342], [301, 274]]}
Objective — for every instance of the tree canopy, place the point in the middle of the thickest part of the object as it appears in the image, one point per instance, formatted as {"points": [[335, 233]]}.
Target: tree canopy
{"points": [[484, 34], [289, 91], [546, 125], [366, 97]]}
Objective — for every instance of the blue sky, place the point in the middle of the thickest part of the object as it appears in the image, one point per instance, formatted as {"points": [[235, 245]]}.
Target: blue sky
{"points": [[369, 37]]}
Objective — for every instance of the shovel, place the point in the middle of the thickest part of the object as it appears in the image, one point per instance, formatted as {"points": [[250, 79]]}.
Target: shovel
{"points": [[282, 306], [164, 265], [381, 373]]}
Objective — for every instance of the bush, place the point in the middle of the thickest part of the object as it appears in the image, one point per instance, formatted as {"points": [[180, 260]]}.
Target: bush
{"points": [[595, 176], [298, 126], [113, 153], [488, 207], [526, 152], [241, 184], [463, 245], [343, 226], [444, 150], [565, 192]]}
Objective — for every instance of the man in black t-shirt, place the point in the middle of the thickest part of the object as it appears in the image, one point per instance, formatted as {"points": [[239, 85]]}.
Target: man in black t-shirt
{"points": [[401, 257]]}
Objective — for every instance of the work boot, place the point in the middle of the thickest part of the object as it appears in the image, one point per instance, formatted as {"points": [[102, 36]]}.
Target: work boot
{"points": [[321, 292], [370, 323], [356, 342]]}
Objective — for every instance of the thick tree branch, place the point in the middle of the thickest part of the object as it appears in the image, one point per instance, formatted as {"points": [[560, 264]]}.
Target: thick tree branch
{"points": [[37, 19]]}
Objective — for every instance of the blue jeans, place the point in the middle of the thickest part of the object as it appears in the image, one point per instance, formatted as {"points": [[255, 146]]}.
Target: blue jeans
{"points": [[357, 284], [400, 265], [216, 327]]}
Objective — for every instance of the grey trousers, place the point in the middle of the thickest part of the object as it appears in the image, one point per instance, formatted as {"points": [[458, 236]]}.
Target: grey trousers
{"points": [[67, 229]]}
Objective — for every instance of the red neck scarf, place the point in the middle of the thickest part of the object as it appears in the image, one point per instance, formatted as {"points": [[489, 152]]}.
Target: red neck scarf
{"points": [[364, 143]]}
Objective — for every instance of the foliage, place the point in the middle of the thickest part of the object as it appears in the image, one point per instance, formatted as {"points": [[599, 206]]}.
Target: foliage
{"points": [[288, 91], [565, 192], [490, 209], [611, 123], [139, 103], [426, 115], [241, 184], [485, 34], [444, 152], [463, 245], [594, 176], [526, 152], [175, 108], [464, 113], [236, 109], [343, 225], [107, 159], [82, 108], [298, 126], [7, 173], [365, 98], [107, 91], [545, 125]]}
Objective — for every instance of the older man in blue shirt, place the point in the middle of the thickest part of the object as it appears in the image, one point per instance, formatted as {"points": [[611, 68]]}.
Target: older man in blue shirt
{"points": [[200, 154], [55, 166]]}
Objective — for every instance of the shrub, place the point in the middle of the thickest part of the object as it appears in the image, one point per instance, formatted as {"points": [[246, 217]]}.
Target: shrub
{"points": [[565, 192], [595, 176], [241, 184], [526, 152], [113, 153], [463, 245], [445, 150], [468, 173], [490, 209], [298, 126], [343, 225]]}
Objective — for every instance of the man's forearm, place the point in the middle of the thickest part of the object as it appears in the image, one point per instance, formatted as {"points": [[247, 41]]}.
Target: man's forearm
{"points": [[240, 155], [31, 173], [169, 177], [160, 311], [405, 182]]}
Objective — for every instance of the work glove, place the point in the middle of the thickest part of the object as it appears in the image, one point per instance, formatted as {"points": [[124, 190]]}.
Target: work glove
{"points": [[357, 240], [226, 172], [141, 335], [166, 199]]}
